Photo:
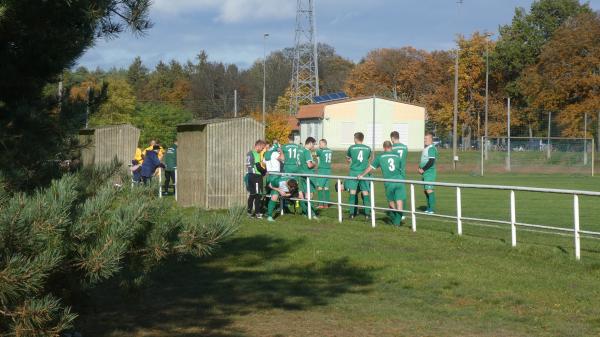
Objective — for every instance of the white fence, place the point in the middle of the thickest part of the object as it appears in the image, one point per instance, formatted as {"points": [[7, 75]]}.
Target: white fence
{"points": [[576, 232]]}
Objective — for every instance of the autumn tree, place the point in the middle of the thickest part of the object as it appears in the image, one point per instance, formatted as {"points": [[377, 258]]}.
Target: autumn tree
{"points": [[566, 79], [119, 105], [519, 47]]}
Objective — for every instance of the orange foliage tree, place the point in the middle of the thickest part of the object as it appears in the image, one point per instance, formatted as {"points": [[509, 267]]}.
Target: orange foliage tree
{"points": [[566, 79], [278, 126]]}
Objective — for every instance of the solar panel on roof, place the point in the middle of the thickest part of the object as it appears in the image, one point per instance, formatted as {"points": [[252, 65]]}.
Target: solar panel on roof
{"points": [[330, 97]]}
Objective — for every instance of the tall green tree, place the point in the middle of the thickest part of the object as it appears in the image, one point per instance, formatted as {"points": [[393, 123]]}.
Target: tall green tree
{"points": [[38, 40], [520, 43]]}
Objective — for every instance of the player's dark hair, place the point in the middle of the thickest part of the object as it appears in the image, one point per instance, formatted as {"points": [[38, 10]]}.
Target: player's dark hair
{"points": [[324, 141], [359, 136], [310, 140], [387, 144], [429, 133], [394, 135], [292, 185], [259, 142], [291, 137]]}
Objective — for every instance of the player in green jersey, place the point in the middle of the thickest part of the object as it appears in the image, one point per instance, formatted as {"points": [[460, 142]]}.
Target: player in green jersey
{"points": [[324, 156], [280, 186], [391, 166], [290, 156], [307, 166], [428, 171], [402, 151], [358, 156]]}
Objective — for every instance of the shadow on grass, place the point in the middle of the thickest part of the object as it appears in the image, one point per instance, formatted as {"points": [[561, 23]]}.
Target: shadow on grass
{"points": [[204, 297]]}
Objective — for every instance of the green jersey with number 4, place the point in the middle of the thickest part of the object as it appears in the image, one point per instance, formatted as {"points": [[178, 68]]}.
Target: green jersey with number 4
{"points": [[324, 156], [390, 163], [402, 151], [359, 155]]}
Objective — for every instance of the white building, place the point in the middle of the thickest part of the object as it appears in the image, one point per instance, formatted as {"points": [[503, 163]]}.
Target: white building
{"points": [[375, 117]]}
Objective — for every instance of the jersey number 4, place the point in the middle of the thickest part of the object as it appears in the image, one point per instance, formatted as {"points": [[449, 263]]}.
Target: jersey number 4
{"points": [[360, 156]]}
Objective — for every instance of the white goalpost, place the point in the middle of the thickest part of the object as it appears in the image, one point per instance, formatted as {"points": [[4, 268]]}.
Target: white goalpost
{"points": [[537, 155]]}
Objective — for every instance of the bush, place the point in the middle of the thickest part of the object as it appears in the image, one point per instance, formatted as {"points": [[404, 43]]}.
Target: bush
{"points": [[86, 228]]}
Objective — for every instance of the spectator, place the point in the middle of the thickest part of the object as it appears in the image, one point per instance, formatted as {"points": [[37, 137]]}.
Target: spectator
{"points": [[153, 142], [254, 182], [136, 171], [150, 164], [170, 161]]}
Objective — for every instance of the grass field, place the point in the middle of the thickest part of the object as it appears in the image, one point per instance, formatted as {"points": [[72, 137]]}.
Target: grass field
{"points": [[322, 278]]}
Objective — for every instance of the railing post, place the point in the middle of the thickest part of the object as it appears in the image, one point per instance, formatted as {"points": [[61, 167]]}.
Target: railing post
{"points": [[513, 219], [372, 193], [160, 182], [482, 146], [308, 198], [339, 199], [175, 184], [412, 207], [458, 211], [576, 227]]}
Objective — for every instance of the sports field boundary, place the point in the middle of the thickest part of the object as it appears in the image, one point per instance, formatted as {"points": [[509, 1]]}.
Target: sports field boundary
{"points": [[575, 232]]}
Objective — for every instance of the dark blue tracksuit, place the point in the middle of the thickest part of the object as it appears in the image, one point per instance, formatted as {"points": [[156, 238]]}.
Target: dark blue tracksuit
{"points": [[149, 166]]}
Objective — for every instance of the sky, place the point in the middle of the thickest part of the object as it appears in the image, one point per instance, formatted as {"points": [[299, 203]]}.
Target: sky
{"points": [[232, 31]]}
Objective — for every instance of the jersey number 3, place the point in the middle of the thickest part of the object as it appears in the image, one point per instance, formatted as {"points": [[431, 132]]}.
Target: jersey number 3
{"points": [[392, 165]]}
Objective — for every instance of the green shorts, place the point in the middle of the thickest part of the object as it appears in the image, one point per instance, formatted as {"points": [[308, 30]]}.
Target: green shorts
{"points": [[302, 185], [355, 185], [323, 182], [290, 170], [428, 177], [395, 191], [270, 178]]}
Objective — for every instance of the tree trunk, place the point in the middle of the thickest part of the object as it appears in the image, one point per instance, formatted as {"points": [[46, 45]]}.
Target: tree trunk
{"points": [[530, 131]]}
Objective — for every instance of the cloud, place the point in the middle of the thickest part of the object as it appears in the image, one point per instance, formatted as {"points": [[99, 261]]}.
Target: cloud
{"points": [[231, 11]]}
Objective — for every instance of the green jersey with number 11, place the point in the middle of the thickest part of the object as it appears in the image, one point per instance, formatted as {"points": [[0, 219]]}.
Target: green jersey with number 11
{"points": [[359, 155], [290, 153]]}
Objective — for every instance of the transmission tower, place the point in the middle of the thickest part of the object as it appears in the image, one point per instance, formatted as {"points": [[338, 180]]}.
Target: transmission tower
{"points": [[305, 70]]}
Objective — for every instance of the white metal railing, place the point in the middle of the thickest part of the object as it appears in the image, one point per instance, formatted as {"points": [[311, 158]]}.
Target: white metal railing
{"points": [[576, 231], [160, 173]]}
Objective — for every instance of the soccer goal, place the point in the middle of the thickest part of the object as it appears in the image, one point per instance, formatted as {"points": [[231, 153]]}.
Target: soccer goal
{"points": [[537, 155]]}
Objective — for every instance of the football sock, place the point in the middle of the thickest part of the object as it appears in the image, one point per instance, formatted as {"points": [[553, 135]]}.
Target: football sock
{"points": [[271, 209], [432, 201], [327, 195], [352, 200], [428, 202], [367, 203]]}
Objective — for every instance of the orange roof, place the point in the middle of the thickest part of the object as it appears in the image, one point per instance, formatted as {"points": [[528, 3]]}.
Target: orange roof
{"points": [[293, 123]]}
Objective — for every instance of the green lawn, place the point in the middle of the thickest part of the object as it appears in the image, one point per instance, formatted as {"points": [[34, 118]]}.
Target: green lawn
{"points": [[301, 278]]}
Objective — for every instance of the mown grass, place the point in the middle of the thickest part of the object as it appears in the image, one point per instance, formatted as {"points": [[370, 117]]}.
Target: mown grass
{"points": [[321, 278]]}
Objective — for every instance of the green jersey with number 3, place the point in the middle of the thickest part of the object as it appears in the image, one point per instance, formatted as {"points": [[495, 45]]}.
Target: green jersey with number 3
{"points": [[390, 163], [359, 155], [324, 156], [402, 151]]}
